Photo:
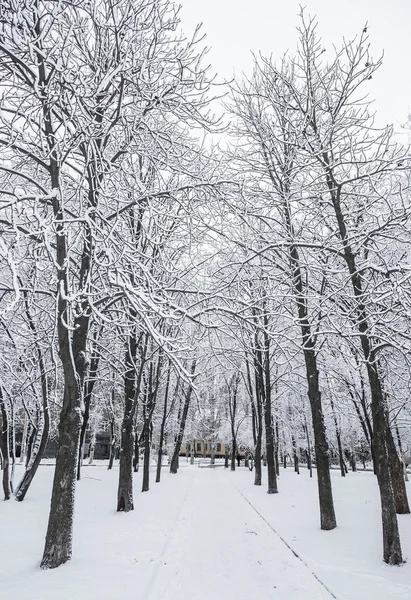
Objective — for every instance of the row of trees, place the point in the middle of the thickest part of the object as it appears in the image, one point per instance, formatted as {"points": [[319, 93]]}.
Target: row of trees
{"points": [[156, 285]]}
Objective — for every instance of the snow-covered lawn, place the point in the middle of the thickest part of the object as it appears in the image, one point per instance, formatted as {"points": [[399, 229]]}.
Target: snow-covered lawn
{"points": [[201, 534]]}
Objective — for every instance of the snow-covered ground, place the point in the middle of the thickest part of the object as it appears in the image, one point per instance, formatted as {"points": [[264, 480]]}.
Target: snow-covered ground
{"points": [[205, 533]]}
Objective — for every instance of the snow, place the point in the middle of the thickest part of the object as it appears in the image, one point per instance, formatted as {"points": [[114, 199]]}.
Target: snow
{"points": [[205, 533]]}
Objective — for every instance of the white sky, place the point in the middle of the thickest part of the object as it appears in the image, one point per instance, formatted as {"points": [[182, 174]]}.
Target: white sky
{"points": [[235, 27]]}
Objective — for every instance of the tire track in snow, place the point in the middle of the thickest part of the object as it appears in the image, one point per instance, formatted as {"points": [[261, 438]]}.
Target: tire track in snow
{"points": [[154, 577], [282, 539]]}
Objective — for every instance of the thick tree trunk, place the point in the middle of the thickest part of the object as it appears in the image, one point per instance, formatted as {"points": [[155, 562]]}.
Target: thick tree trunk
{"points": [[180, 435], [327, 514], [125, 481], [58, 547], [391, 540], [233, 453]]}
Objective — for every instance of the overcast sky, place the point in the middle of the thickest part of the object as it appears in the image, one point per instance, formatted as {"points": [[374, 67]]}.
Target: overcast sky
{"points": [[235, 27]]}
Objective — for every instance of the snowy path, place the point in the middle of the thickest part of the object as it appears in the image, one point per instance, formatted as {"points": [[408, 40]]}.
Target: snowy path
{"points": [[227, 548]]}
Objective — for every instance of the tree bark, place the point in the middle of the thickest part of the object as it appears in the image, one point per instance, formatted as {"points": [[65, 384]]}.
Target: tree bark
{"points": [[269, 431], [4, 446], [180, 435], [397, 475], [163, 425], [125, 481]]}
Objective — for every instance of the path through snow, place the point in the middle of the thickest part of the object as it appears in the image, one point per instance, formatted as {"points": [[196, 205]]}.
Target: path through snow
{"points": [[220, 546]]}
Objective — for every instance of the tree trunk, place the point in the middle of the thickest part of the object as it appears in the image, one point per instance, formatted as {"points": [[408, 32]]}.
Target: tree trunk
{"points": [[226, 456], [163, 425], [146, 464], [125, 481], [391, 540], [309, 461], [397, 475], [180, 435], [24, 439], [338, 436], [294, 445], [4, 447], [327, 514], [233, 453], [277, 449], [269, 431], [136, 457], [58, 546], [112, 444]]}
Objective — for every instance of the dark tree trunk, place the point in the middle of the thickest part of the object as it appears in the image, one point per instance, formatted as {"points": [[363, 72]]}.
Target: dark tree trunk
{"points": [[180, 435], [125, 482], [146, 466], [4, 446], [112, 444], [293, 443], [276, 456], [259, 420], [233, 454], [232, 405], [269, 431], [250, 393], [353, 461], [226, 455], [148, 410], [397, 475], [309, 461], [327, 514], [30, 443], [338, 436], [163, 425], [136, 457], [58, 547]]}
